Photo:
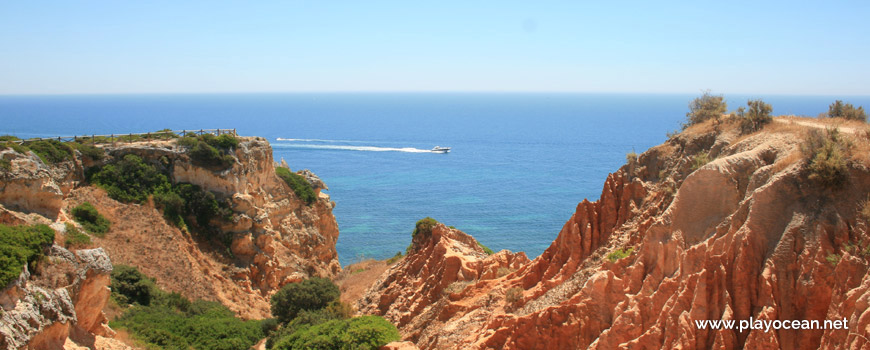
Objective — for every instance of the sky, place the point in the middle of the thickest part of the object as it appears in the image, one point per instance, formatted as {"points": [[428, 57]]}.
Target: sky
{"points": [[768, 47]]}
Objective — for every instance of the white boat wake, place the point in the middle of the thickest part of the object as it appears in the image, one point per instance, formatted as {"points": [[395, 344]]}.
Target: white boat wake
{"points": [[356, 148]]}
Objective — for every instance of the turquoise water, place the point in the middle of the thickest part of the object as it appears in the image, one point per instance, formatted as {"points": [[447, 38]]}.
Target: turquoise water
{"points": [[520, 162]]}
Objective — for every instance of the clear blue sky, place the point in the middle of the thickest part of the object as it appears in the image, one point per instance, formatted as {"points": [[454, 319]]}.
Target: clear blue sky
{"points": [[774, 47]]}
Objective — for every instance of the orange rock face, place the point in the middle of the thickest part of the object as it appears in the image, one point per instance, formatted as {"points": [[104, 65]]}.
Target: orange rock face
{"points": [[746, 235]]}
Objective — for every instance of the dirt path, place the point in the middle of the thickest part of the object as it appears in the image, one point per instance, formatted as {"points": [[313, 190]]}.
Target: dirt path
{"points": [[819, 125]]}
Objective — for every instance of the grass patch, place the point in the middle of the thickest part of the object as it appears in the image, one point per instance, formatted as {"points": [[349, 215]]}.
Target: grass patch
{"points": [[5, 164], [20, 245], [395, 258], [298, 183], [700, 160], [90, 219], [89, 150], [620, 254], [485, 248], [833, 259], [504, 271], [75, 238], [51, 151]]}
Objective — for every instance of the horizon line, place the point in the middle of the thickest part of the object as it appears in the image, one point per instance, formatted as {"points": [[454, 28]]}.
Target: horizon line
{"points": [[373, 92]]}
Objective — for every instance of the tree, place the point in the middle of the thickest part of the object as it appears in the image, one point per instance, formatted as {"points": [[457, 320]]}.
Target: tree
{"points": [[838, 109], [755, 118], [312, 294], [705, 107]]}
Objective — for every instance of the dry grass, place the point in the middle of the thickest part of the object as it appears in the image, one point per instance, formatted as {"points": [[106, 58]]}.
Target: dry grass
{"points": [[355, 279], [787, 161]]}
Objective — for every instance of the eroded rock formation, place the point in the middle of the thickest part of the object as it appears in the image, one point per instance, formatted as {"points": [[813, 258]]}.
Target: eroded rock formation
{"points": [[668, 243]]}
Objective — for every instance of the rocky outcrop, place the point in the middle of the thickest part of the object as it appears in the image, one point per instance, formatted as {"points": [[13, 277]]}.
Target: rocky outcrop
{"points": [[65, 301], [274, 237], [428, 286], [670, 243], [30, 186]]}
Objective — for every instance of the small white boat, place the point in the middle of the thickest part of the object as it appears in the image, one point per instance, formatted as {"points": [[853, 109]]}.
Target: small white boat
{"points": [[439, 149]]}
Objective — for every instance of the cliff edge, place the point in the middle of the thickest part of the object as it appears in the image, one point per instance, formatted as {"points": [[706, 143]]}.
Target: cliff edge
{"points": [[711, 225]]}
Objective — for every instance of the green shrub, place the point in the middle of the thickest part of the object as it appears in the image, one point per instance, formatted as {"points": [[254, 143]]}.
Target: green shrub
{"points": [[826, 154], [312, 294], [224, 141], [75, 238], [700, 160], [173, 322], [15, 146], [208, 156], [131, 286], [485, 248], [840, 110], [366, 332], [130, 179], [395, 258], [756, 117], [188, 141], [620, 254], [51, 151], [298, 183], [424, 226], [5, 164], [90, 219], [4, 138], [20, 245], [704, 108], [833, 259], [88, 150]]}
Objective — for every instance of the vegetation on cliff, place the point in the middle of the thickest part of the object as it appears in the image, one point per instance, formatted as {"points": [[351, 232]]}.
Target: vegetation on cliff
{"points": [[827, 154], [209, 151], [705, 107], [171, 321], [838, 109], [312, 317], [131, 179], [298, 183], [20, 245], [90, 219], [75, 239]]}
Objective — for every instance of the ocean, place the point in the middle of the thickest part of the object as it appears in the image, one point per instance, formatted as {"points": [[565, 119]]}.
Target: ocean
{"points": [[519, 163]]}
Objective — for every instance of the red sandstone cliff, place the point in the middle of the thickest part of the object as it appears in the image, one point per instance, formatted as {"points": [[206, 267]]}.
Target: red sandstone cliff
{"points": [[745, 235]]}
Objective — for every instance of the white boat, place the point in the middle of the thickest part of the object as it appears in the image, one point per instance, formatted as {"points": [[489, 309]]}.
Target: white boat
{"points": [[439, 149]]}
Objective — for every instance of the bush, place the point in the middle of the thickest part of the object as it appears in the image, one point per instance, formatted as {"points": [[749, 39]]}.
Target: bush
{"points": [[395, 258], [5, 164], [20, 245], [620, 254], [700, 160], [513, 295], [131, 286], [838, 109], [90, 219], [207, 156], [366, 332], [704, 108], [757, 116], [89, 151], [826, 154], [833, 259], [424, 227], [75, 238], [312, 294], [174, 322], [130, 179], [51, 151], [298, 183]]}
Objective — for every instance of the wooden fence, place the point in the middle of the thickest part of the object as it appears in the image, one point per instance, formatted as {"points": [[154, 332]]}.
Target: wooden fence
{"points": [[130, 137]]}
